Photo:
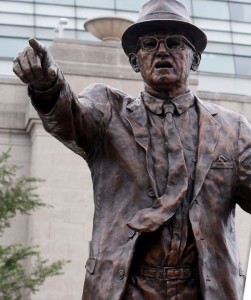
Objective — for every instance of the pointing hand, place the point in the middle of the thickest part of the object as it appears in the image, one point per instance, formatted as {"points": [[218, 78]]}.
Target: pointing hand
{"points": [[35, 66]]}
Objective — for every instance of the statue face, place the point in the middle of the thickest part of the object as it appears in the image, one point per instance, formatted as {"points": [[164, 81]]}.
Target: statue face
{"points": [[164, 63]]}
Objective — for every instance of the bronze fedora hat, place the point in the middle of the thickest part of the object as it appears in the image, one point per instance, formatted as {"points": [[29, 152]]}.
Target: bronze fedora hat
{"points": [[163, 16]]}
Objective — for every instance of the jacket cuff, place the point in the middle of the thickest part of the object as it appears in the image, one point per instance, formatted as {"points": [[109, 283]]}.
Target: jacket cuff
{"points": [[44, 101]]}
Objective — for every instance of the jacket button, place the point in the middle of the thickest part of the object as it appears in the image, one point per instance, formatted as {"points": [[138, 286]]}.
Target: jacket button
{"points": [[150, 192], [121, 274]]}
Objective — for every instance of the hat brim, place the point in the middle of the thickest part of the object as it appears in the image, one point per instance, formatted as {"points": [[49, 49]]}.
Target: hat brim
{"points": [[195, 35]]}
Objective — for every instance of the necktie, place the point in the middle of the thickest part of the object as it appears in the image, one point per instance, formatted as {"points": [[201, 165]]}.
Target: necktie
{"points": [[150, 219]]}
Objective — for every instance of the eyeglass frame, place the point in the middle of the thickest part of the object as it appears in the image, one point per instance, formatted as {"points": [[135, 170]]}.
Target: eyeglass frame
{"points": [[163, 39]]}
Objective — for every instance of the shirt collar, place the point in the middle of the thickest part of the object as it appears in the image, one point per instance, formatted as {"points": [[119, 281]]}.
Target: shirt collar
{"points": [[182, 102]]}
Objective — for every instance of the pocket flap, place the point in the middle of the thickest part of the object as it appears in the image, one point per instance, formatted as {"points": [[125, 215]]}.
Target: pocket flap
{"points": [[222, 165], [90, 265]]}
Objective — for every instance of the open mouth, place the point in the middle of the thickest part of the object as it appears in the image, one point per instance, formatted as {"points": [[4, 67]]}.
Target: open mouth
{"points": [[163, 64]]}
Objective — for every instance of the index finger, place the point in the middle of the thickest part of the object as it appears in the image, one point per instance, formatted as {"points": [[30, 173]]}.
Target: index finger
{"points": [[36, 46]]}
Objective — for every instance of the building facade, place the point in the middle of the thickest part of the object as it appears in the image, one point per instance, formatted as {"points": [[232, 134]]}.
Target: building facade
{"points": [[64, 231], [226, 23]]}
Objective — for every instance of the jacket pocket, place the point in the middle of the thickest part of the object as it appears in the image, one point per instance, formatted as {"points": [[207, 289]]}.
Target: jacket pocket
{"points": [[90, 265], [222, 165]]}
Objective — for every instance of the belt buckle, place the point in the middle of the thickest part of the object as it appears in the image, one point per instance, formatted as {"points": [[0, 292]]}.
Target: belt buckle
{"points": [[171, 273], [174, 273]]}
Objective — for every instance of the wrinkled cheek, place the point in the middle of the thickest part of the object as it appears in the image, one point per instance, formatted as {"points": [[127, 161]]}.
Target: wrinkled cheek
{"points": [[186, 71], [147, 76]]}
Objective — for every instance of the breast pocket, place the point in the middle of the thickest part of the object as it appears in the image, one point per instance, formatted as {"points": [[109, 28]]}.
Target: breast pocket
{"points": [[222, 165], [221, 178]]}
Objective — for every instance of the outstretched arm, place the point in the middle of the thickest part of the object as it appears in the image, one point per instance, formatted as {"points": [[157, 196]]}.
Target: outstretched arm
{"points": [[78, 123]]}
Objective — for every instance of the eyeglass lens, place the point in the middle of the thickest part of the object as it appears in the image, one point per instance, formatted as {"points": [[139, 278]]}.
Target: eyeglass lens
{"points": [[171, 43]]}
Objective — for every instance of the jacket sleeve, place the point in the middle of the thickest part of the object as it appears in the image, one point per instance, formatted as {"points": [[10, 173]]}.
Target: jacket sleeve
{"points": [[78, 122], [244, 165]]}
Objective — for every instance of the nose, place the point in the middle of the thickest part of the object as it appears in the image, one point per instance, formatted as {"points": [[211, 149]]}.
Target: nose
{"points": [[162, 50], [162, 47]]}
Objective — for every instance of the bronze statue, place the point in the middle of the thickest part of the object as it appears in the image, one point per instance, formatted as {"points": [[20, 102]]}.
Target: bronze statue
{"points": [[168, 168]]}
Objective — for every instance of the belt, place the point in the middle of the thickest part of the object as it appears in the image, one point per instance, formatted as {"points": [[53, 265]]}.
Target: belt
{"points": [[166, 273]]}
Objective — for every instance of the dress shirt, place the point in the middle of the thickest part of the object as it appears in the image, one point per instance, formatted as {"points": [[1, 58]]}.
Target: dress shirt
{"points": [[173, 243]]}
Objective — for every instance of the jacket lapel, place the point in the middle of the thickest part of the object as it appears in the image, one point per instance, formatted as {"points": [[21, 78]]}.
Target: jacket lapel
{"points": [[137, 118], [208, 136]]}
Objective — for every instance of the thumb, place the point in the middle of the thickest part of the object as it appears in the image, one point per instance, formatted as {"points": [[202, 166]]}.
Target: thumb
{"points": [[47, 60]]}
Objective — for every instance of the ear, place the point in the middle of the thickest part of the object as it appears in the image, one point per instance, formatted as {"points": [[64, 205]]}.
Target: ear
{"points": [[196, 60], [133, 59]]}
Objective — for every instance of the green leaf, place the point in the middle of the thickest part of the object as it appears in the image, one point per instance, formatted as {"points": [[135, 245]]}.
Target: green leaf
{"points": [[18, 195]]}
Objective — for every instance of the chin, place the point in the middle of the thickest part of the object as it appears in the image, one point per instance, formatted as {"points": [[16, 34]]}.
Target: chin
{"points": [[165, 80]]}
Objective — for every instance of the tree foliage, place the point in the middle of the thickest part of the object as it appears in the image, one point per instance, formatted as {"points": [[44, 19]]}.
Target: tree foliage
{"points": [[22, 269]]}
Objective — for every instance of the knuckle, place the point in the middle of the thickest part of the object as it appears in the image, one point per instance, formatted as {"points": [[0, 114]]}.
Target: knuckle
{"points": [[26, 69], [23, 78], [37, 71], [36, 68]]}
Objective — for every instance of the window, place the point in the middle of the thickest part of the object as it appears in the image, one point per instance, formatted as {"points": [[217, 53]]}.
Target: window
{"points": [[64, 2], [16, 31], [128, 15], [130, 5], [242, 39], [213, 24], [54, 10], [241, 27], [211, 9], [7, 6], [88, 13], [242, 50], [247, 1], [240, 12], [42, 21], [11, 46], [219, 36], [217, 63], [17, 19], [219, 48], [243, 65], [20, 1], [46, 33], [109, 4]]}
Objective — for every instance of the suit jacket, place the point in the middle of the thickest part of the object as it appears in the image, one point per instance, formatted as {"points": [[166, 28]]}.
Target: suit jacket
{"points": [[108, 128]]}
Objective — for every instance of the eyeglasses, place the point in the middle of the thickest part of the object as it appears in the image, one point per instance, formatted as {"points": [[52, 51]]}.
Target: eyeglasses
{"points": [[172, 43]]}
